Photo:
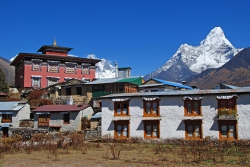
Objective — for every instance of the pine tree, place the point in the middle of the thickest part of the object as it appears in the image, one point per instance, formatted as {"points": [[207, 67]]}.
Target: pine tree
{"points": [[4, 87]]}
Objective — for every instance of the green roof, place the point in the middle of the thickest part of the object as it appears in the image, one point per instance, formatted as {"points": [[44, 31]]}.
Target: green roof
{"points": [[137, 80]]}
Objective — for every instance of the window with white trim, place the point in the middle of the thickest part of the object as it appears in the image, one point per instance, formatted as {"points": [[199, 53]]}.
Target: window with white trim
{"points": [[85, 68], [36, 82]]}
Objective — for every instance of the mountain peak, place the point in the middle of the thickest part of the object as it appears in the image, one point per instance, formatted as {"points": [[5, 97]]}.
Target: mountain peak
{"points": [[217, 31], [216, 37]]}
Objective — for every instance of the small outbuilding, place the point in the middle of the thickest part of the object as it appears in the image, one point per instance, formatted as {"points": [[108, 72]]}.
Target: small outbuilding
{"points": [[61, 117]]}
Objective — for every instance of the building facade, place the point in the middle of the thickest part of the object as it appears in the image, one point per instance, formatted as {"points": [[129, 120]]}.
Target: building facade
{"points": [[53, 65], [61, 117], [190, 114]]}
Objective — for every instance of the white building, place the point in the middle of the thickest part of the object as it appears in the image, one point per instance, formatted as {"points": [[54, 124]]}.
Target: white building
{"points": [[11, 113], [189, 114], [61, 117]]}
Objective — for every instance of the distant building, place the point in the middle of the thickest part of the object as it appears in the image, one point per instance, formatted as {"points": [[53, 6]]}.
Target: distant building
{"points": [[159, 85], [33, 70]]}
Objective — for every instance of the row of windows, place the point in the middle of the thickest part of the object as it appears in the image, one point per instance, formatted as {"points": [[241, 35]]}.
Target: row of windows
{"points": [[193, 130], [191, 107], [55, 68]]}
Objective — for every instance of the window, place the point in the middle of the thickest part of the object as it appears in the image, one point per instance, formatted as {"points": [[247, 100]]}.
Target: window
{"points": [[52, 81], [121, 129], [151, 108], [66, 118], [36, 64], [70, 68], [53, 66], [79, 90], [151, 129], [192, 107], [43, 119], [68, 91], [227, 103], [6, 118], [108, 88], [193, 129], [85, 69], [121, 108], [227, 130], [36, 82]]}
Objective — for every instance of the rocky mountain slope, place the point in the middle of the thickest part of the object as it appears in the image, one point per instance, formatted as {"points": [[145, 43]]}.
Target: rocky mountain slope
{"points": [[213, 52], [234, 72], [8, 70]]}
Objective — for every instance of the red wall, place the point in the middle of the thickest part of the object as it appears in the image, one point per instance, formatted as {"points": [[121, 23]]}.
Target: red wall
{"points": [[56, 53], [43, 73]]}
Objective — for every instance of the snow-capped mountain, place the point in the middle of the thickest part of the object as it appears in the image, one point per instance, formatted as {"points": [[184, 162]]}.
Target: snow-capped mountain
{"points": [[104, 69], [213, 52]]}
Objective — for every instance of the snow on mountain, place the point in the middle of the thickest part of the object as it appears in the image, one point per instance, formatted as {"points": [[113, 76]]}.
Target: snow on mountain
{"points": [[104, 69], [214, 51]]}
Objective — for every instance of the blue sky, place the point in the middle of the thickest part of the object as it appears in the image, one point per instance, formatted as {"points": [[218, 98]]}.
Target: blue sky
{"points": [[141, 34]]}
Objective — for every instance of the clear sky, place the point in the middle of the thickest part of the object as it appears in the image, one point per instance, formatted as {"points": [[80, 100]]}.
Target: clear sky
{"points": [[141, 34]]}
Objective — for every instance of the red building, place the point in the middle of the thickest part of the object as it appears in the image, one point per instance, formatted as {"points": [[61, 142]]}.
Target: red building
{"points": [[53, 65]]}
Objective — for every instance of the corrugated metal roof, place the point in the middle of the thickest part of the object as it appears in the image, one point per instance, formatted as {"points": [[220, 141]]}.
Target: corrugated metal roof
{"points": [[13, 105], [175, 84], [59, 108], [113, 80], [97, 115], [181, 92]]}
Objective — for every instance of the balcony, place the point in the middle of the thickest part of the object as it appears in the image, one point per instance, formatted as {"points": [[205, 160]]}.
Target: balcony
{"points": [[227, 114]]}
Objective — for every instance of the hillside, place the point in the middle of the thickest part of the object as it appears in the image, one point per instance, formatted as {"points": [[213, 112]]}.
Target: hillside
{"points": [[8, 70], [234, 72]]}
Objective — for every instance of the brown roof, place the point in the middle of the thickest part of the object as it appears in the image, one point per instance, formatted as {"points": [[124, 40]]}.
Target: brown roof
{"points": [[59, 108]]}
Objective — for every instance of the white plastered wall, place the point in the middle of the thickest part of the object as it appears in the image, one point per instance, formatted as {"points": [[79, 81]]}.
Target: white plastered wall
{"points": [[172, 112]]}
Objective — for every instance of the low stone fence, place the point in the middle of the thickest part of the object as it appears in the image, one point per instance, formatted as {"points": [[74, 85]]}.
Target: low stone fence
{"points": [[26, 133]]}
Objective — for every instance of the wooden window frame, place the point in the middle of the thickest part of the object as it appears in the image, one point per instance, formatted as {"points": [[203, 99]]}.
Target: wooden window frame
{"points": [[53, 68], [37, 79], [6, 118], [193, 123], [36, 66], [122, 124], [193, 112], [70, 69], [151, 123], [79, 90], [121, 103], [66, 118], [43, 119], [152, 114], [86, 69], [67, 92], [228, 123], [233, 99]]}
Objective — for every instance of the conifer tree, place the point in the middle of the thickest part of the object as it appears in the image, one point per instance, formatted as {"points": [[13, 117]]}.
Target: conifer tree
{"points": [[4, 87]]}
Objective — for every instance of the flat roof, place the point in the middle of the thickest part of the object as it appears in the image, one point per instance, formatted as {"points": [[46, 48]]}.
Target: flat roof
{"points": [[21, 56], [180, 92], [59, 108]]}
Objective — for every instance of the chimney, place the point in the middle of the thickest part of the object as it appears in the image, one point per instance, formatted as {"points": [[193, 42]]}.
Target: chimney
{"points": [[116, 70], [184, 82]]}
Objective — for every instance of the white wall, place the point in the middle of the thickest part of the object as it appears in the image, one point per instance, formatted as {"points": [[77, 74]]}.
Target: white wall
{"points": [[172, 112]]}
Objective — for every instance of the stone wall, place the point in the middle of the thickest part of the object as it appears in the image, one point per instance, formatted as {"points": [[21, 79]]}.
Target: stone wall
{"points": [[93, 134]]}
